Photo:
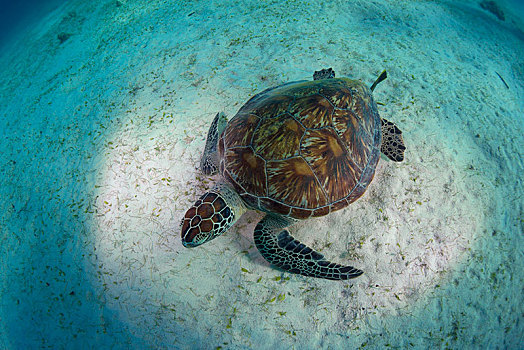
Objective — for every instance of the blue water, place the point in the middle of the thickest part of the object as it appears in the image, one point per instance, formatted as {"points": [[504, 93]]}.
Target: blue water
{"points": [[17, 15], [104, 109]]}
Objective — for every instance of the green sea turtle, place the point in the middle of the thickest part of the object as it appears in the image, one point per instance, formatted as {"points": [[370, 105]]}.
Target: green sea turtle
{"points": [[295, 151]]}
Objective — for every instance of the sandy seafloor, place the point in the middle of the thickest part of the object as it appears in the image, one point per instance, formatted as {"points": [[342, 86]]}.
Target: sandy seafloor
{"points": [[104, 110]]}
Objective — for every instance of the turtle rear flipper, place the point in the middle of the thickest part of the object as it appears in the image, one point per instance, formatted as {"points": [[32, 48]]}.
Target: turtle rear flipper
{"points": [[209, 161], [279, 248], [392, 142]]}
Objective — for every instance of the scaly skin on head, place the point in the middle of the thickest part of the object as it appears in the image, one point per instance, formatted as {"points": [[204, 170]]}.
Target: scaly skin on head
{"points": [[211, 215]]}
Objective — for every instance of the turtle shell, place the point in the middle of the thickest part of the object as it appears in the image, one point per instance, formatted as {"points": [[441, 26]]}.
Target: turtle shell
{"points": [[303, 149]]}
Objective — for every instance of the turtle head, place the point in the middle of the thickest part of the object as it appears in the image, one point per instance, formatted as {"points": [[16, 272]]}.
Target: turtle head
{"points": [[211, 215]]}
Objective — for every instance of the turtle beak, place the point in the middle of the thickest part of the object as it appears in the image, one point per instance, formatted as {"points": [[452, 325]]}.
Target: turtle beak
{"points": [[191, 242], [193, 237], [188, 244]]}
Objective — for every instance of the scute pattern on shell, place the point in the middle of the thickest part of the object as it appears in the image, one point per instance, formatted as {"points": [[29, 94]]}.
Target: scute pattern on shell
{"points": [[303, 149]]}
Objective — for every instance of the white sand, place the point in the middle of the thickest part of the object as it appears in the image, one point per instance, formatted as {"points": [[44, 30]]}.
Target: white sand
{"points": [[102, 136]]}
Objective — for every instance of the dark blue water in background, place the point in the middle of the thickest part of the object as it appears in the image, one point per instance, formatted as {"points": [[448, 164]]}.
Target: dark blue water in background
{"points": [[16, 15]]}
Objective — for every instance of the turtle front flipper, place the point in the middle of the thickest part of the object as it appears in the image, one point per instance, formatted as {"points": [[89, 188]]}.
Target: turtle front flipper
{"points": [[392, 142], [279, 248], [209, 161]]}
